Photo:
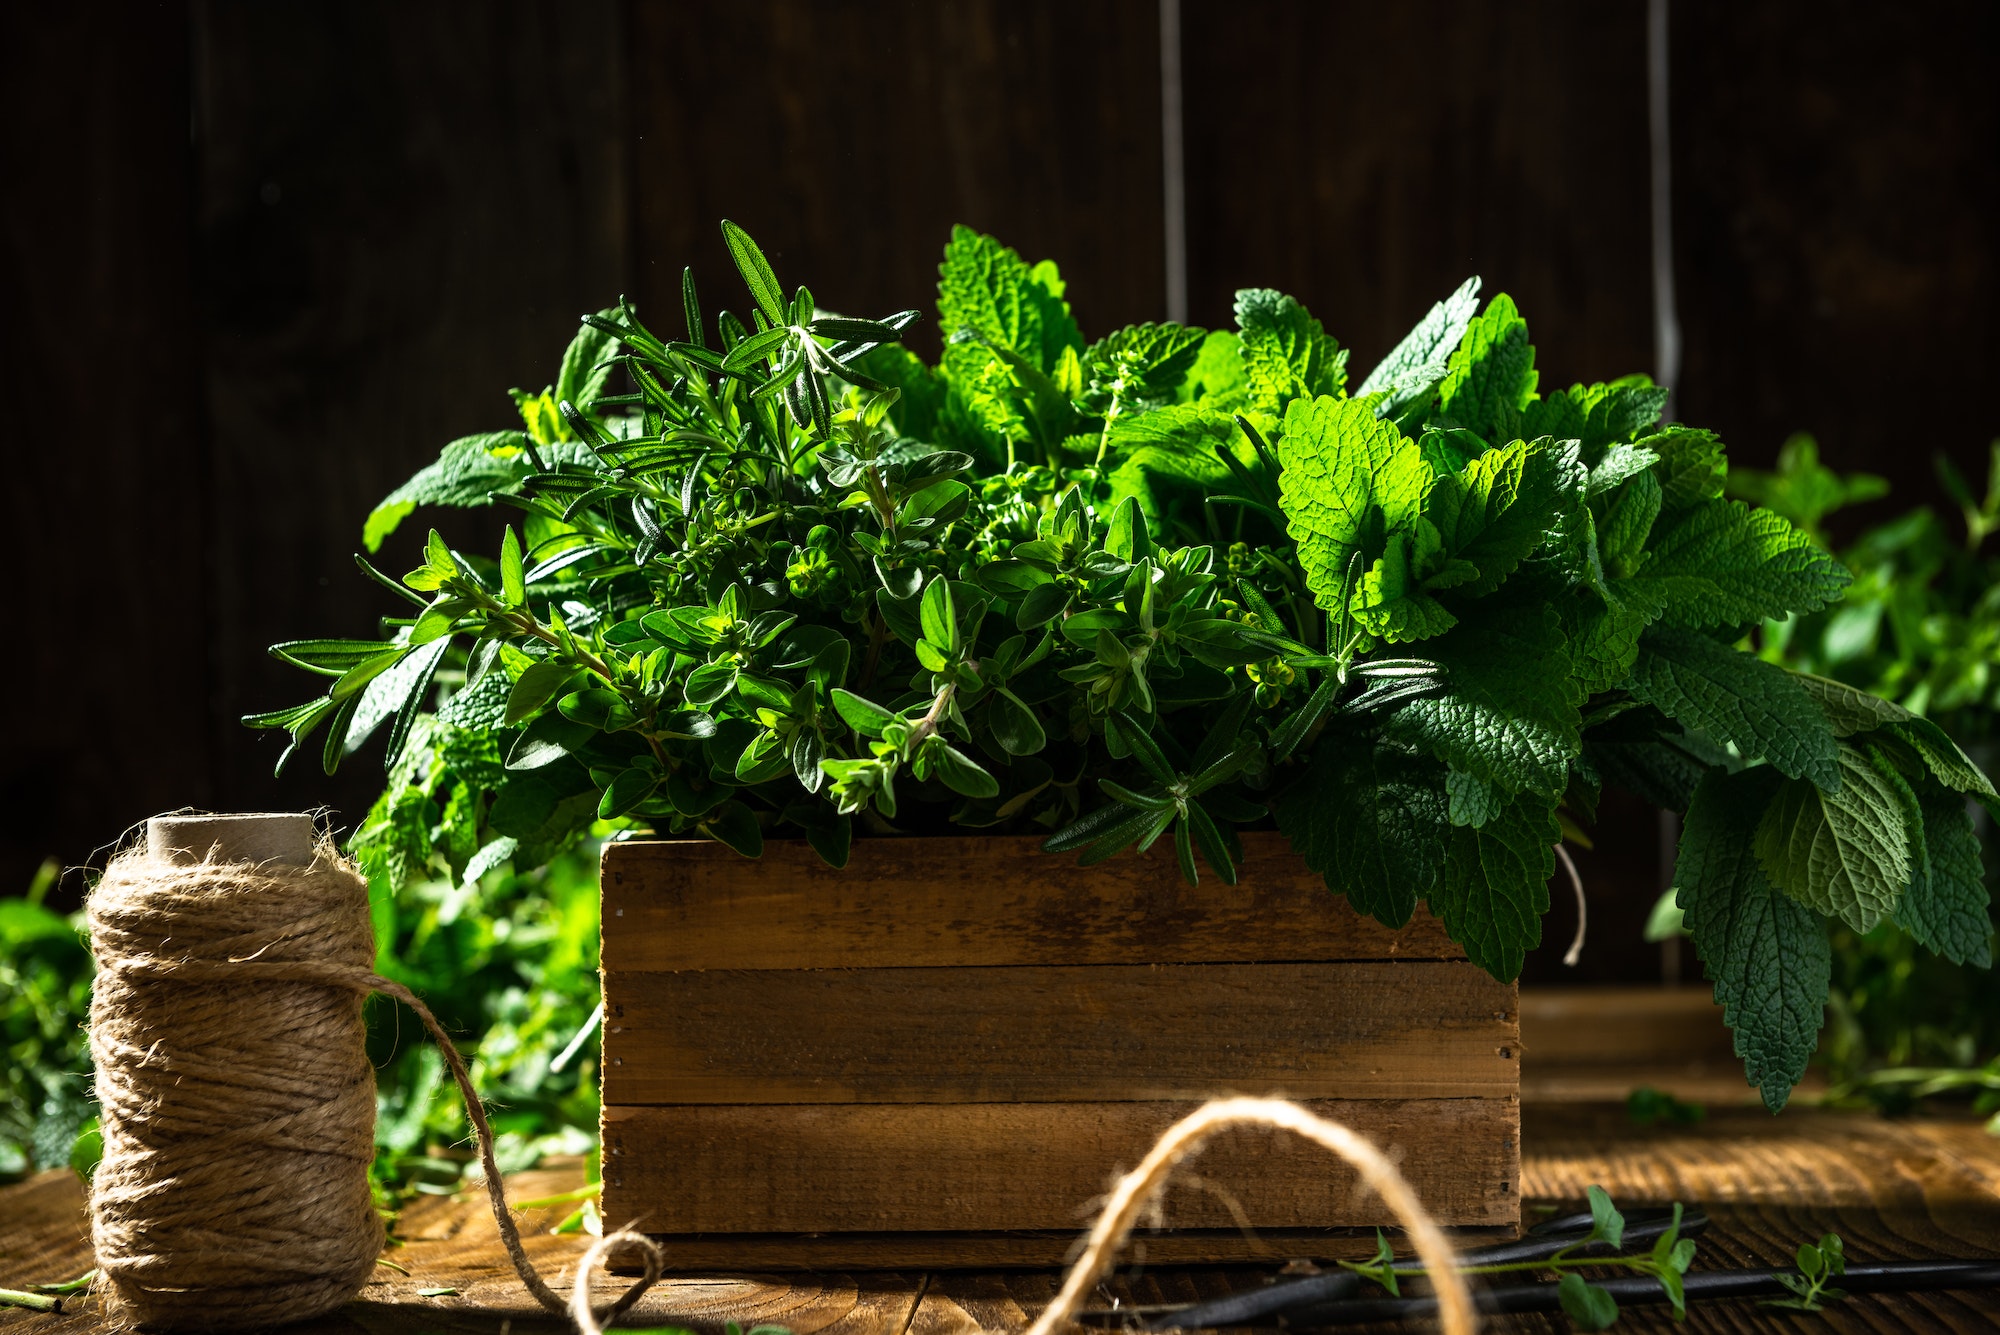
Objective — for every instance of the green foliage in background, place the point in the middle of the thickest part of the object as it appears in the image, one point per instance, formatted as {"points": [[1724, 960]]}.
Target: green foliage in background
{"points": [[45, 972], [785, 578], [1920, 626]]}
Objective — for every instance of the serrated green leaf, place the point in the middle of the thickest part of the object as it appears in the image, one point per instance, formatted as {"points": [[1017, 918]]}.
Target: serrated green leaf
{"points": [[1505, 716], [1692, 467], [1473, 801], [1492, 377], [1736, 698], [1766, 953], [986, 287], [1161, 355], [1942, 756], [1845, 853], [1287, 354], [1619, 463], [1167, 452], [1945, 907], [1847, 710], [1604, 627], [1391, 601], [1339, 484], [1724, 564], [1415, 366], [469, 471], [1628, 521], [1495, 512], [1495, 884], [1384, 853]]}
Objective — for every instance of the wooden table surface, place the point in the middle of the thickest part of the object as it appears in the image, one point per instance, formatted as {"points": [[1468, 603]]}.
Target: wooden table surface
{"points": [[1891, 1189]]}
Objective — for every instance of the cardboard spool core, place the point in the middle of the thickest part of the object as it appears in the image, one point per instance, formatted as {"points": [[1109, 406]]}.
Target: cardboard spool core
{"points": [[272, 836]]}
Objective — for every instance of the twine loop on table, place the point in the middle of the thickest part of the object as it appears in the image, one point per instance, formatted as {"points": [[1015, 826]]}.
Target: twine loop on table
{"points": [[238, 1102]]}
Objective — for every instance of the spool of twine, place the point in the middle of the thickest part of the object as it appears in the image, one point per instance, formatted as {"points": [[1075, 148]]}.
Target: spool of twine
{"points": [[234, 956]]}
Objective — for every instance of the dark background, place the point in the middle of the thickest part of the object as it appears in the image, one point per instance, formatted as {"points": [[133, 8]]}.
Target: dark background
{"points": [[262, 260]]}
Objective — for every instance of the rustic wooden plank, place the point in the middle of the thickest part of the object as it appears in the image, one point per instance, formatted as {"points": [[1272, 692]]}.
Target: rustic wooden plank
{"points": [[948, 1167], [969, 900], [1122, 1033]]}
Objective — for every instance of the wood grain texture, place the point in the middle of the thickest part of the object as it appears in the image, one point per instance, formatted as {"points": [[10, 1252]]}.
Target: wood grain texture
{"points": [[946, 1167], [967, 900], [1907, 1189], [1096, 1032]]}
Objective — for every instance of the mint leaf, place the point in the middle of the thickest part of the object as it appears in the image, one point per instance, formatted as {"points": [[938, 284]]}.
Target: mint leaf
{"points": [[986, 287], [1495, 512], [469, 471], [1509, 714], [1415, 366], [1626, 524], [1766, 954], [1849, 711], [1491, 380], [1949, 765], [1495, 886], [1392, 601], [1286, 353], [1473, 801], [1217, 379], [1603, 626], [1724, 564], [1157, 356], [1945, 907], [1845, 853], [1336, 483], [1736, 698], [1383, 853], [1692, 468], [1619, 463], [1169, 451]]}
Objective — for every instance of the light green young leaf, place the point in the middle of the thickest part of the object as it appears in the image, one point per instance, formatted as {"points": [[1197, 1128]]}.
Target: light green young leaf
{"points": [[1724, 564], [1337, 483], [1738, 698], [1844, 853], [470, 471], [986, 287], [1286, 353], [1492, 377], [1766, 953], [513, 584]]}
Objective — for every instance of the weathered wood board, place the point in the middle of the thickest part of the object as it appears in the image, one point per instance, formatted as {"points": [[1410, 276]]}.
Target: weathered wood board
{"points": [[943, 1053]]}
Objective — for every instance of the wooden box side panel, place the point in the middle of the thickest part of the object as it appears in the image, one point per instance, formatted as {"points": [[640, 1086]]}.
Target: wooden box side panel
{"points": [[999, 1167], [969, 901], [1094, 1033]]}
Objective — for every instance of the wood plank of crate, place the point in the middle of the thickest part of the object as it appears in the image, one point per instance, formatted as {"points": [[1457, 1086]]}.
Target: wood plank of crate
{"points": [[956, 901]]}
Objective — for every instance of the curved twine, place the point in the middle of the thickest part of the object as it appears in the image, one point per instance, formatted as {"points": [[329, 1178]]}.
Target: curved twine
{"points": [[1138, 1187]]}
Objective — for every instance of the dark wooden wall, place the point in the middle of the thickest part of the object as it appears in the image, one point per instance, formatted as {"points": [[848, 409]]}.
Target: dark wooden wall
{"points": [[263, 260]]}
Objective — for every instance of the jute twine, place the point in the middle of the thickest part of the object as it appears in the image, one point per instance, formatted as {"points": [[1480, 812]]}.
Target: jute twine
{"points": [[238, 1099]]}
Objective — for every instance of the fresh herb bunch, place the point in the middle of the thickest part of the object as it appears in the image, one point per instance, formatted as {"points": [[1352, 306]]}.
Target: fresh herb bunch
{"points": [[788, 577]]}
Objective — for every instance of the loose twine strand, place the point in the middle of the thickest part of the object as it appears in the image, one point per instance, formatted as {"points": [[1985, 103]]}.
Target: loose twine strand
{"points": [[238, 1099]]}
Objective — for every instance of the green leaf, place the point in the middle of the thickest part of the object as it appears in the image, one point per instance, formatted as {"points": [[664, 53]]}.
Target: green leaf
{"points": [[960, 772], [538, 684], [864, 716], [1014, 725], [1495, 884], [1724, 564], [1766, 953], [734, 824], [1286, 353], [1692, 466], [937, 617], [1847, 710], [512, 583], [1415, 366], [1170, 453], [470, 471], [988, 288], [1507, 715], [1945, 907], [587, 364], [627, 790], [415, 675], [1160, 354], [1845, 853], [756, 271], [1607, 1225], [1492, 377], [1473, 801], [1382, 853], [1587, 1305], [1737, 698], [1340, 486], [1604, 629], [1495, 512], [1947, 763]]}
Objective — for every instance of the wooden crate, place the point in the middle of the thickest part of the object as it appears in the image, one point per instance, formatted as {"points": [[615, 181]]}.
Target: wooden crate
{"points": [[941, 1054]]}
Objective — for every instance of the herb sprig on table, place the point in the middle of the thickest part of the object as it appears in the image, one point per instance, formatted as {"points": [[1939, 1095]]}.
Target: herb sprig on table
{"points": [[785, 577]]}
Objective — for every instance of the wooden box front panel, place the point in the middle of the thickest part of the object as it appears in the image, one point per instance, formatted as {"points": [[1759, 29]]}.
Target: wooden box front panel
{"points": [[963, 1038]]}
